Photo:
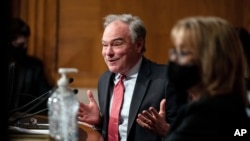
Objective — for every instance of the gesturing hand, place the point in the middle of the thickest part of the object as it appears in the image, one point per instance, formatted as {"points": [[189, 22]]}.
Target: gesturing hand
{"points": [[154, 121], [89, 113]]}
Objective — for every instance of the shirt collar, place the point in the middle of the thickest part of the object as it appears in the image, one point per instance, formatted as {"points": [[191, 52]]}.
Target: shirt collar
{"points": [[133, 72]]}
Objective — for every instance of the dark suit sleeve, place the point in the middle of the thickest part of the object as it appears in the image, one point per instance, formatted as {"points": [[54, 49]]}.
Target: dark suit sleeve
{"points": [[171, 103], [188, 128]]}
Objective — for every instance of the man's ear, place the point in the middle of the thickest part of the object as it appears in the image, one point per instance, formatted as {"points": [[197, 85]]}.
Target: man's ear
{"points": [[139, 45]]}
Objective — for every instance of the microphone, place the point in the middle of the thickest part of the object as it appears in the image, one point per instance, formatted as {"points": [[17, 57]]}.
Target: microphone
{"points": [[31, 102], [75, 91], [42, 98], [23, 116]]}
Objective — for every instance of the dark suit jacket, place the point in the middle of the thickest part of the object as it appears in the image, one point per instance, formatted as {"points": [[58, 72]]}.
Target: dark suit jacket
{"points": [[27, 81], [211, 119], [150, 89]]}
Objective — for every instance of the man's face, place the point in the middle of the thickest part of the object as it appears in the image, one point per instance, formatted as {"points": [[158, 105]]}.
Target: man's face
{"points": [[119, 52]]}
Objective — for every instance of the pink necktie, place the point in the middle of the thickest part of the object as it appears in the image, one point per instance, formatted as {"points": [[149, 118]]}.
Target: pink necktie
{"points": [[113, 134]]}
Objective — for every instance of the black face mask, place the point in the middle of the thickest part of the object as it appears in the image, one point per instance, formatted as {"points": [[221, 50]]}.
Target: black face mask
{"points": [[183, 76], [18, 52], [248, 84]]}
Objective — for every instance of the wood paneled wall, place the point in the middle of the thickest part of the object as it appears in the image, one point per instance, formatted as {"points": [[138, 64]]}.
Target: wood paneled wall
{"points": [[68, 33]]}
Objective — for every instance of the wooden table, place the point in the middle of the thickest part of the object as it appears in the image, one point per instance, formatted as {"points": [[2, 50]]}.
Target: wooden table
{"points": [[86, 133]]}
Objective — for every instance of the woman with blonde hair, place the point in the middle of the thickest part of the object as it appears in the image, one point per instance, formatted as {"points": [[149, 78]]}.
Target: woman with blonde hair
{"points": [[207, 62]]}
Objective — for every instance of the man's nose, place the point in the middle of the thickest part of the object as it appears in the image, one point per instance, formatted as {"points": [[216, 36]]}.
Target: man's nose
{"points": [[109, 50]]}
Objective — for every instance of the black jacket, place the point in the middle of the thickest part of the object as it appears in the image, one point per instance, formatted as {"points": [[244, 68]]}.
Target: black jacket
{"points": [[211, 119], [26, 81], [150, 88]]}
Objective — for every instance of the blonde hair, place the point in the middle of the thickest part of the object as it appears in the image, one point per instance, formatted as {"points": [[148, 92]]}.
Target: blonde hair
{"points": [[220, 53]]}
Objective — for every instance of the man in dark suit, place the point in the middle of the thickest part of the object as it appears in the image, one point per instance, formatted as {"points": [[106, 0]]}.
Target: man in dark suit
{"points": [[146, 85]]}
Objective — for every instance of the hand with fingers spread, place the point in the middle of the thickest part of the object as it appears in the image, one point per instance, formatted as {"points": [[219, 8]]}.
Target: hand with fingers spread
{"points": [[89, 113], [154, 121], [130, 81]]}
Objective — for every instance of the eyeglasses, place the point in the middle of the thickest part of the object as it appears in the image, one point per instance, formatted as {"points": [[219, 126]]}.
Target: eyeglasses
{"points": [[182, 56], [181, 53]]}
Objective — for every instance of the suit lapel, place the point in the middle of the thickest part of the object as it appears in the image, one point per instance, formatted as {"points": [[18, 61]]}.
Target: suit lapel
{"points": [[105, 92], [141, 86], [104, 99]]}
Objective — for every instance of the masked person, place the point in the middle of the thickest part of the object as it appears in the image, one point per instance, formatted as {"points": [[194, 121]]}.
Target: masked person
{"points": [[245, 41], [207, 62], [26, 76]]}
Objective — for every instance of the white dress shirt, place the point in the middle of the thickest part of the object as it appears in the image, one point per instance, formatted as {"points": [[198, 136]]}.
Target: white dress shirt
{"points": [[129, 84]]}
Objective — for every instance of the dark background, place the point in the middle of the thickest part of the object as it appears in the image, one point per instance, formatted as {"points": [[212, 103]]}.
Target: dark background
{"points": [[4, 15]]}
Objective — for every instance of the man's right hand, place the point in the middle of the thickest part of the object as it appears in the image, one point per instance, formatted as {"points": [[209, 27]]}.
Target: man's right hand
{"points": [[89, 113]]}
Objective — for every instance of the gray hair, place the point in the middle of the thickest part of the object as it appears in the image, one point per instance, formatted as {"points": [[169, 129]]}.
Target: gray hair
{"points": [[136, 26]]}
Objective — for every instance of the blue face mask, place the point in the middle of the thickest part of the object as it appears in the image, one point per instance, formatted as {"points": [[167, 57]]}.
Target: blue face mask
{"points": [[183, 76]]}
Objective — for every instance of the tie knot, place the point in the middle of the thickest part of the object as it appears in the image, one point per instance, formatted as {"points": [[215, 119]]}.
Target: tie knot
{"points": [[121, 77]]}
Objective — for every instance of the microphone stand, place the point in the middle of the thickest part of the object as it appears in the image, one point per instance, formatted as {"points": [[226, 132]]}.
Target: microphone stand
{"points": [[42, 98], [31, 102], [24, 115]]}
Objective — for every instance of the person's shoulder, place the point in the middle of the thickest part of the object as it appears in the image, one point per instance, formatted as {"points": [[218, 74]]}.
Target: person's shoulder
{"points": [[105, 75], [105, 78], [154, 64], [31, 60], [153, 70]]}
